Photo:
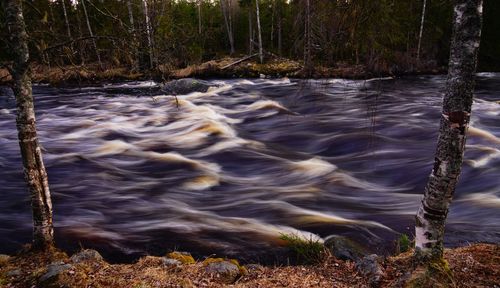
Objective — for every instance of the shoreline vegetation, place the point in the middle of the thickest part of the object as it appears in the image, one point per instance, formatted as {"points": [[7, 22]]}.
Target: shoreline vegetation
{"points": [[476, 265], [224, 68]]}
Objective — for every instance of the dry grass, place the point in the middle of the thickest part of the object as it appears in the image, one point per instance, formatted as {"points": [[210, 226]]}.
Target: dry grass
{"points": [[471, 266]]}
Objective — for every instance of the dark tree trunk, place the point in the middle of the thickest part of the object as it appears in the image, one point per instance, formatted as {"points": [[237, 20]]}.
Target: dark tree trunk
{"points": [[457, 104], [34, 170]]}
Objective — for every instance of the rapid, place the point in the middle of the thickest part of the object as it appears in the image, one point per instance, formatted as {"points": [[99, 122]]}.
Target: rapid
{"points": [[134, 171]]}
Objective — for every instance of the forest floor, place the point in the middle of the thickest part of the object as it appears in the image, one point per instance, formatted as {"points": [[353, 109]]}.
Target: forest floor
{"points": [[222, 68], [477, 265]]}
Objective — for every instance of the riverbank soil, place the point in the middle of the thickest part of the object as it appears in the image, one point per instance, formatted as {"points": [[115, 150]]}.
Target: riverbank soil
{"points": [[227, 67], [471, 266]]}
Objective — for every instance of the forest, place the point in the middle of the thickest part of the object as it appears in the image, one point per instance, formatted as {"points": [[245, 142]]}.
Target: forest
{"points": [[385, 37], [249, 143]]}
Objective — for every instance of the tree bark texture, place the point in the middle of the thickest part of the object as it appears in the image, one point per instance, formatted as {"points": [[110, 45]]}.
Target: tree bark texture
{"points": [[457, 104], [34, 170], [261, 55]]}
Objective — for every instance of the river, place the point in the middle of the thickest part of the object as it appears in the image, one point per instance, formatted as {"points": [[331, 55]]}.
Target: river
{"points": [[228, 171]]}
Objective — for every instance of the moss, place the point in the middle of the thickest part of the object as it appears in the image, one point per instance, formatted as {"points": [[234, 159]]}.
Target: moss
{"points": [[184, 258]]}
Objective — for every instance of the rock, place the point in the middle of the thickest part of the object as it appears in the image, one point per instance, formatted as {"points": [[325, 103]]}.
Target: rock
{"points": [[14, 273], [171, 262], [254, 268], [345, 249], [86, 255], [4, 259], [369, 267], [183, 257], [54, 270], [185, 86], [225, 271]]}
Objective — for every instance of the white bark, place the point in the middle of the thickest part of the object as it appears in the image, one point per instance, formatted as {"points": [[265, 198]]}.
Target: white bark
{"points": [[457, 106], [259, 31], [148, 33], [91, 33], [421, 29]]}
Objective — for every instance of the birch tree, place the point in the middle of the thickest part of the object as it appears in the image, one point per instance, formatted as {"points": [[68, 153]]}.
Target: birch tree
{"points": [[34, 169], [259, 31], [421, 29], [148, 32], [226, 12], [66, 19], [457, 104], [91, 33]]}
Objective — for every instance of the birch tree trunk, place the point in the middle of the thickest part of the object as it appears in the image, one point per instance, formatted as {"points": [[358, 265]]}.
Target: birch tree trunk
{"points": [[457, 103], [132, 31], [34, 170], [91, 33], [66, 19], [148, 33], [259, 31], [227, 20], [421, 29]]}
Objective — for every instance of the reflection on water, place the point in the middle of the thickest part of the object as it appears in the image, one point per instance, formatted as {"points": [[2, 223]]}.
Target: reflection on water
{"points": [[229, 170]]}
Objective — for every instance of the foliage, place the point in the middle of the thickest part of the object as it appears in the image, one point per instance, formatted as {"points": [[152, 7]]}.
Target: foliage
{"points": [[404, 243], [307, 251], [380, 34]]}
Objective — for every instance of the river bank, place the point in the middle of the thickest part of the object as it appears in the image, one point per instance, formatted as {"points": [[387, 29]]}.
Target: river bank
{"points": [[225, 68], [477, 265]]}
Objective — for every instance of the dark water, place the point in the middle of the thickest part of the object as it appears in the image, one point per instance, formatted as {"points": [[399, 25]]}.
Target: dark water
{"points": [[228, 171]]}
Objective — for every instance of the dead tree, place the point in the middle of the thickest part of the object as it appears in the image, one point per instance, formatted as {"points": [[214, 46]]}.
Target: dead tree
{"points": [[34, 169], [457, 104]]}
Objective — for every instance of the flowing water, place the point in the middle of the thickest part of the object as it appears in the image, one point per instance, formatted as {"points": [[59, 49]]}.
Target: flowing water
{"points": [[229, 171]]}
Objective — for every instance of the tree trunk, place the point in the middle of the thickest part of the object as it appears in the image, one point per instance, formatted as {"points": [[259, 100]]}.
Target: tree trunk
{"points": [[280, 23], [148, 33], [457, 103], [259, 31], [227, 20], [250, 32], [199, 17], [66, 19], [307, 38], [34, 170], [132, 31], [91, 34], [421, 29]]}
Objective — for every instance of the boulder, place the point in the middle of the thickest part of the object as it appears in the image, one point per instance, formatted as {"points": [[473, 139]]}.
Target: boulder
{"points": [[86, 255], [369, 267], [54, 270], [185, 86], [171, 262], [225, 271], [345, 249]]}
